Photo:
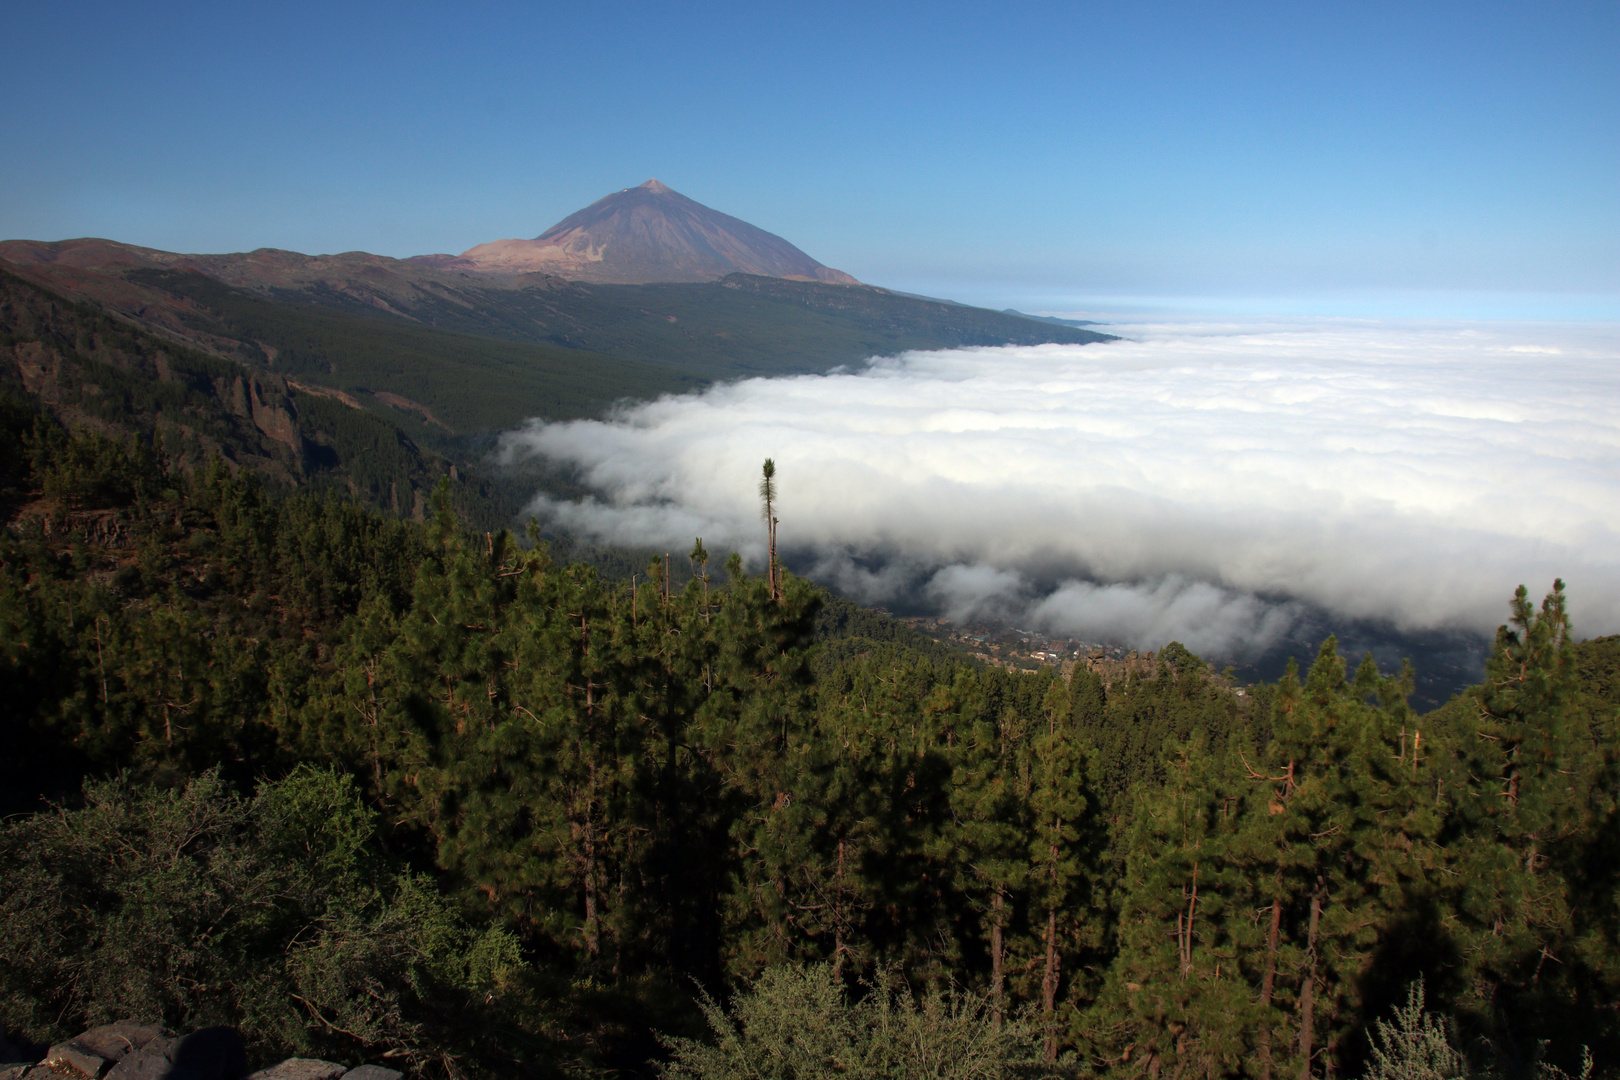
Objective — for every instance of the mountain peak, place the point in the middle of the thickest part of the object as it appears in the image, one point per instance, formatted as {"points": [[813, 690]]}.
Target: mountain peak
{"points": [[650, 233]]}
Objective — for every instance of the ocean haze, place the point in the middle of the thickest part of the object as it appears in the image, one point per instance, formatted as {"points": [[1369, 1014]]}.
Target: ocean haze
{"points": [[1224, 484]]}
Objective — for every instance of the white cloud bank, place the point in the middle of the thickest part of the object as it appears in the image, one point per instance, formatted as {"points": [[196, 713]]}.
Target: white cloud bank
{"points": [[1159, 486]]}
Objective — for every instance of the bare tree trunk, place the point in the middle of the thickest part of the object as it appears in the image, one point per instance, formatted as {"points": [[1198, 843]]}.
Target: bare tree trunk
{"points": [[1186, 933], [587, 833], [101, 665], [996, 949], [593, 944], [838, 918], [1268, 982], [1049, 984], [776, 573], [372, 719], [618, 941], [1307, 993]]}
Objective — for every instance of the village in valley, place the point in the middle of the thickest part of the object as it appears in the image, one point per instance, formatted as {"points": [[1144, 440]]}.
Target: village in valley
{"points": [[1015, 649]]}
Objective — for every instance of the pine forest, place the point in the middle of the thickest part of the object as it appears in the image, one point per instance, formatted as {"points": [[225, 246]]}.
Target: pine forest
{"points": [[420, 791]]}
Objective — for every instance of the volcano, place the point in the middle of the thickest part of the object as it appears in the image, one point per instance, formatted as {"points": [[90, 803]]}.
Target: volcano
{"points": [[645, 234]]}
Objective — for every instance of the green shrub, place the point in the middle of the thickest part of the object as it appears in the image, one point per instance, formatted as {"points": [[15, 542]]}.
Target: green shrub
{"points": [[1414, 1045], [1418, 1045], [797, 1023], [273, 914]]}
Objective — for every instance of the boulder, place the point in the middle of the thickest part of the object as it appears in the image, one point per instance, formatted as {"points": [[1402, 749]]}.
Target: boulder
{"points": [[373, 1072], [99, 1049], [132, 1051], [70, 1055], [301, 1069], [115, 1041], [150, 1062], [214, 1053]]}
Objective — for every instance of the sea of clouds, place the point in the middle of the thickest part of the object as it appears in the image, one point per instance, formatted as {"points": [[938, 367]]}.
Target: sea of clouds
{"points": [[1206, 483]]}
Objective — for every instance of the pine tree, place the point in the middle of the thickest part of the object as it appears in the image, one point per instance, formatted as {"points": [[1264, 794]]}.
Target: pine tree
{"points": [[756, 730], [987, 838], [1176, 1003], [1060, 814], [1275, 875], [1526, 777], [1341, 834]]}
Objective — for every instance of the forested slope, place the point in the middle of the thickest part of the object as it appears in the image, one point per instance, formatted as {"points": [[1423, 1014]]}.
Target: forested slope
{"points": [[74, 363], [464, 383], [433, 794]]}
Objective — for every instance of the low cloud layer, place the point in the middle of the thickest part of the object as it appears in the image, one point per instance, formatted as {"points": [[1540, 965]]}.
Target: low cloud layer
{"points": [[1191, 483]]}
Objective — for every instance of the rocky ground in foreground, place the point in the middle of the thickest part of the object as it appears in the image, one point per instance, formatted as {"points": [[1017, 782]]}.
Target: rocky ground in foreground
{"points": [[128, 1050]]}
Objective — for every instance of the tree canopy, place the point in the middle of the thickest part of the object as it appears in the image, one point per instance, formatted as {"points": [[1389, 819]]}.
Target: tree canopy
{"points": [[349, 781]]}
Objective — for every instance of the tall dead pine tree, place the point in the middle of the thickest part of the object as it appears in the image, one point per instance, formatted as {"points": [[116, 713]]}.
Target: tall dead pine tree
{"points": [[767, 497]]}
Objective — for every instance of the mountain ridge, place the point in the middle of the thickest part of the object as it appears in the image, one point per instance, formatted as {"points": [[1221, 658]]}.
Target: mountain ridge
{"points": [[479, 352], [784, 326]]}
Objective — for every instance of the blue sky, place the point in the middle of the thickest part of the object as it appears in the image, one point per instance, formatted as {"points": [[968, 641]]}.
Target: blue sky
{"points": [[1346, 158]]}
